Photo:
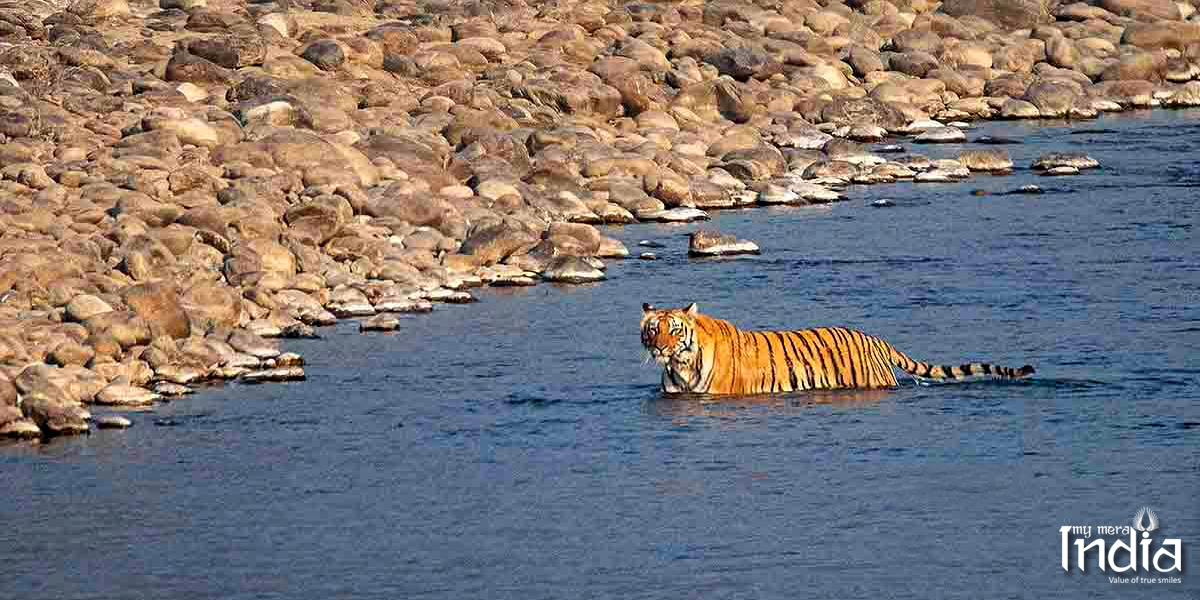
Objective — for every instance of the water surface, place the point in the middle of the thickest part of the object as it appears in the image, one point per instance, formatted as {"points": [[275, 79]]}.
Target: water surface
{"points": [[517, 448]]}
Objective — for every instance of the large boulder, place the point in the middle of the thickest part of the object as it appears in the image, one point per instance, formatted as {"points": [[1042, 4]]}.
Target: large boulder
{"points": [[158, 304], [1007, 14], [212, 304], [1142, 10], [493, 243]]}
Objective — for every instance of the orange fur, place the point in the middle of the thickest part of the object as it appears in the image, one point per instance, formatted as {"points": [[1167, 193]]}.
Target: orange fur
{"points": [[702, 354]]}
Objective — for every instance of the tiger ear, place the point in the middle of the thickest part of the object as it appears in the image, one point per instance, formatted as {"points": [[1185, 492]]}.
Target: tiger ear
{"points": [[692, 310], [646, 307]]}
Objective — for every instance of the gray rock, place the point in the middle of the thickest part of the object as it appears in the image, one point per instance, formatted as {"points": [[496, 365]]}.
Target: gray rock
{"points": [[290, 373], [256, 346], [712, 243], [1078, 160], [120, 394], [571, 269], [112, 422], [681, 214], [379, 323], [169, 389], [986, 160], [940, 135], [402, 304]]}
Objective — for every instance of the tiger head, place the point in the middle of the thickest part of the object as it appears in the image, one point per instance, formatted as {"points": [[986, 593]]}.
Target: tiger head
{"points": [[669, 334]]}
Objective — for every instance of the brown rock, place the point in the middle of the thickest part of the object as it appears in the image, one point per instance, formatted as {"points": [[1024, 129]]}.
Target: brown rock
{"points": [[1143, 66], [1142, 10], [124, 326], [211, 304], [494, 243], [158, 304], [986, 160], [1008, 14], [70, 353]]}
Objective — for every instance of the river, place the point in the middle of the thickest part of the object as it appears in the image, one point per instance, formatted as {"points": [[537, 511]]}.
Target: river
{"points": [[518, 448]]}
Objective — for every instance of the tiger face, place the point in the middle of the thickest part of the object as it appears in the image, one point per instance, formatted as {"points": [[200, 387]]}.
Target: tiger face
{"points": [[668, 334]]}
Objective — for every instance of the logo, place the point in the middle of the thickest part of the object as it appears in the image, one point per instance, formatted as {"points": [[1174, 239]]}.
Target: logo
{"points": [[1137, 520], [1139, 554]]}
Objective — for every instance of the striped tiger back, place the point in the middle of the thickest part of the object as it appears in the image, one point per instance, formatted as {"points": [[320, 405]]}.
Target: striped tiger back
{"points": [[703, 354]]}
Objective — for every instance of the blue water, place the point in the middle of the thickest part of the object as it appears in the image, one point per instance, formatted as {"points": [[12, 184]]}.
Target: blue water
{"points": [[517, 448]]}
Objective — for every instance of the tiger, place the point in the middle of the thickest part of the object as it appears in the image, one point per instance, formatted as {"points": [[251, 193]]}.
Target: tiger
{"points": [[706, 355]]}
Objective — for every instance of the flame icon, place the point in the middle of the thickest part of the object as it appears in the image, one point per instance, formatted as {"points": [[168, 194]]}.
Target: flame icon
{"points": [[1145, 512]]}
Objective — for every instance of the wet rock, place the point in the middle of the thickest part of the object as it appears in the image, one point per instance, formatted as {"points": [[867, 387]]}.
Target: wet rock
{"points": [[397, 304], [346, 302], [289, 373], [289, 359], [112, 422], [1061, 170], [1019, 109], [1077, 160], [449, 296], [940, 135], [171, 389], [14, 424], [123, 394], [986, 160], [379, 323], [681, 214], [571, 269], [244, 341], [54, 415], [712, 243]]}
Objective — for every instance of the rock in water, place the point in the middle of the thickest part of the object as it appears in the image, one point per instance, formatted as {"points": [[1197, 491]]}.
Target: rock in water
{"points": [[712, 243], [940, 135], [275, 374], [119, 394], [1078, 160], [113, 422], [379, 323], [571, 269]]}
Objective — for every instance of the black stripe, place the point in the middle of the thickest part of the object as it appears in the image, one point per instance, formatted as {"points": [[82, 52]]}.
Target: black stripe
{"points": [[833, 355], [809, 382], [817, 361], [870, 368], [854, 356], [987, 369], [787, 358], [770, 357]]}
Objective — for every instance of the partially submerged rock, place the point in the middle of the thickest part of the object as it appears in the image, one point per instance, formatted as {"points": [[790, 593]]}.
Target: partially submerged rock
{"points": [[712, 243], [1075, 160]]}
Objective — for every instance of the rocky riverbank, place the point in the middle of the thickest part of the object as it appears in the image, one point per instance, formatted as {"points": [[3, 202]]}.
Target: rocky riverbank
{"points": [[183, 180]]}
